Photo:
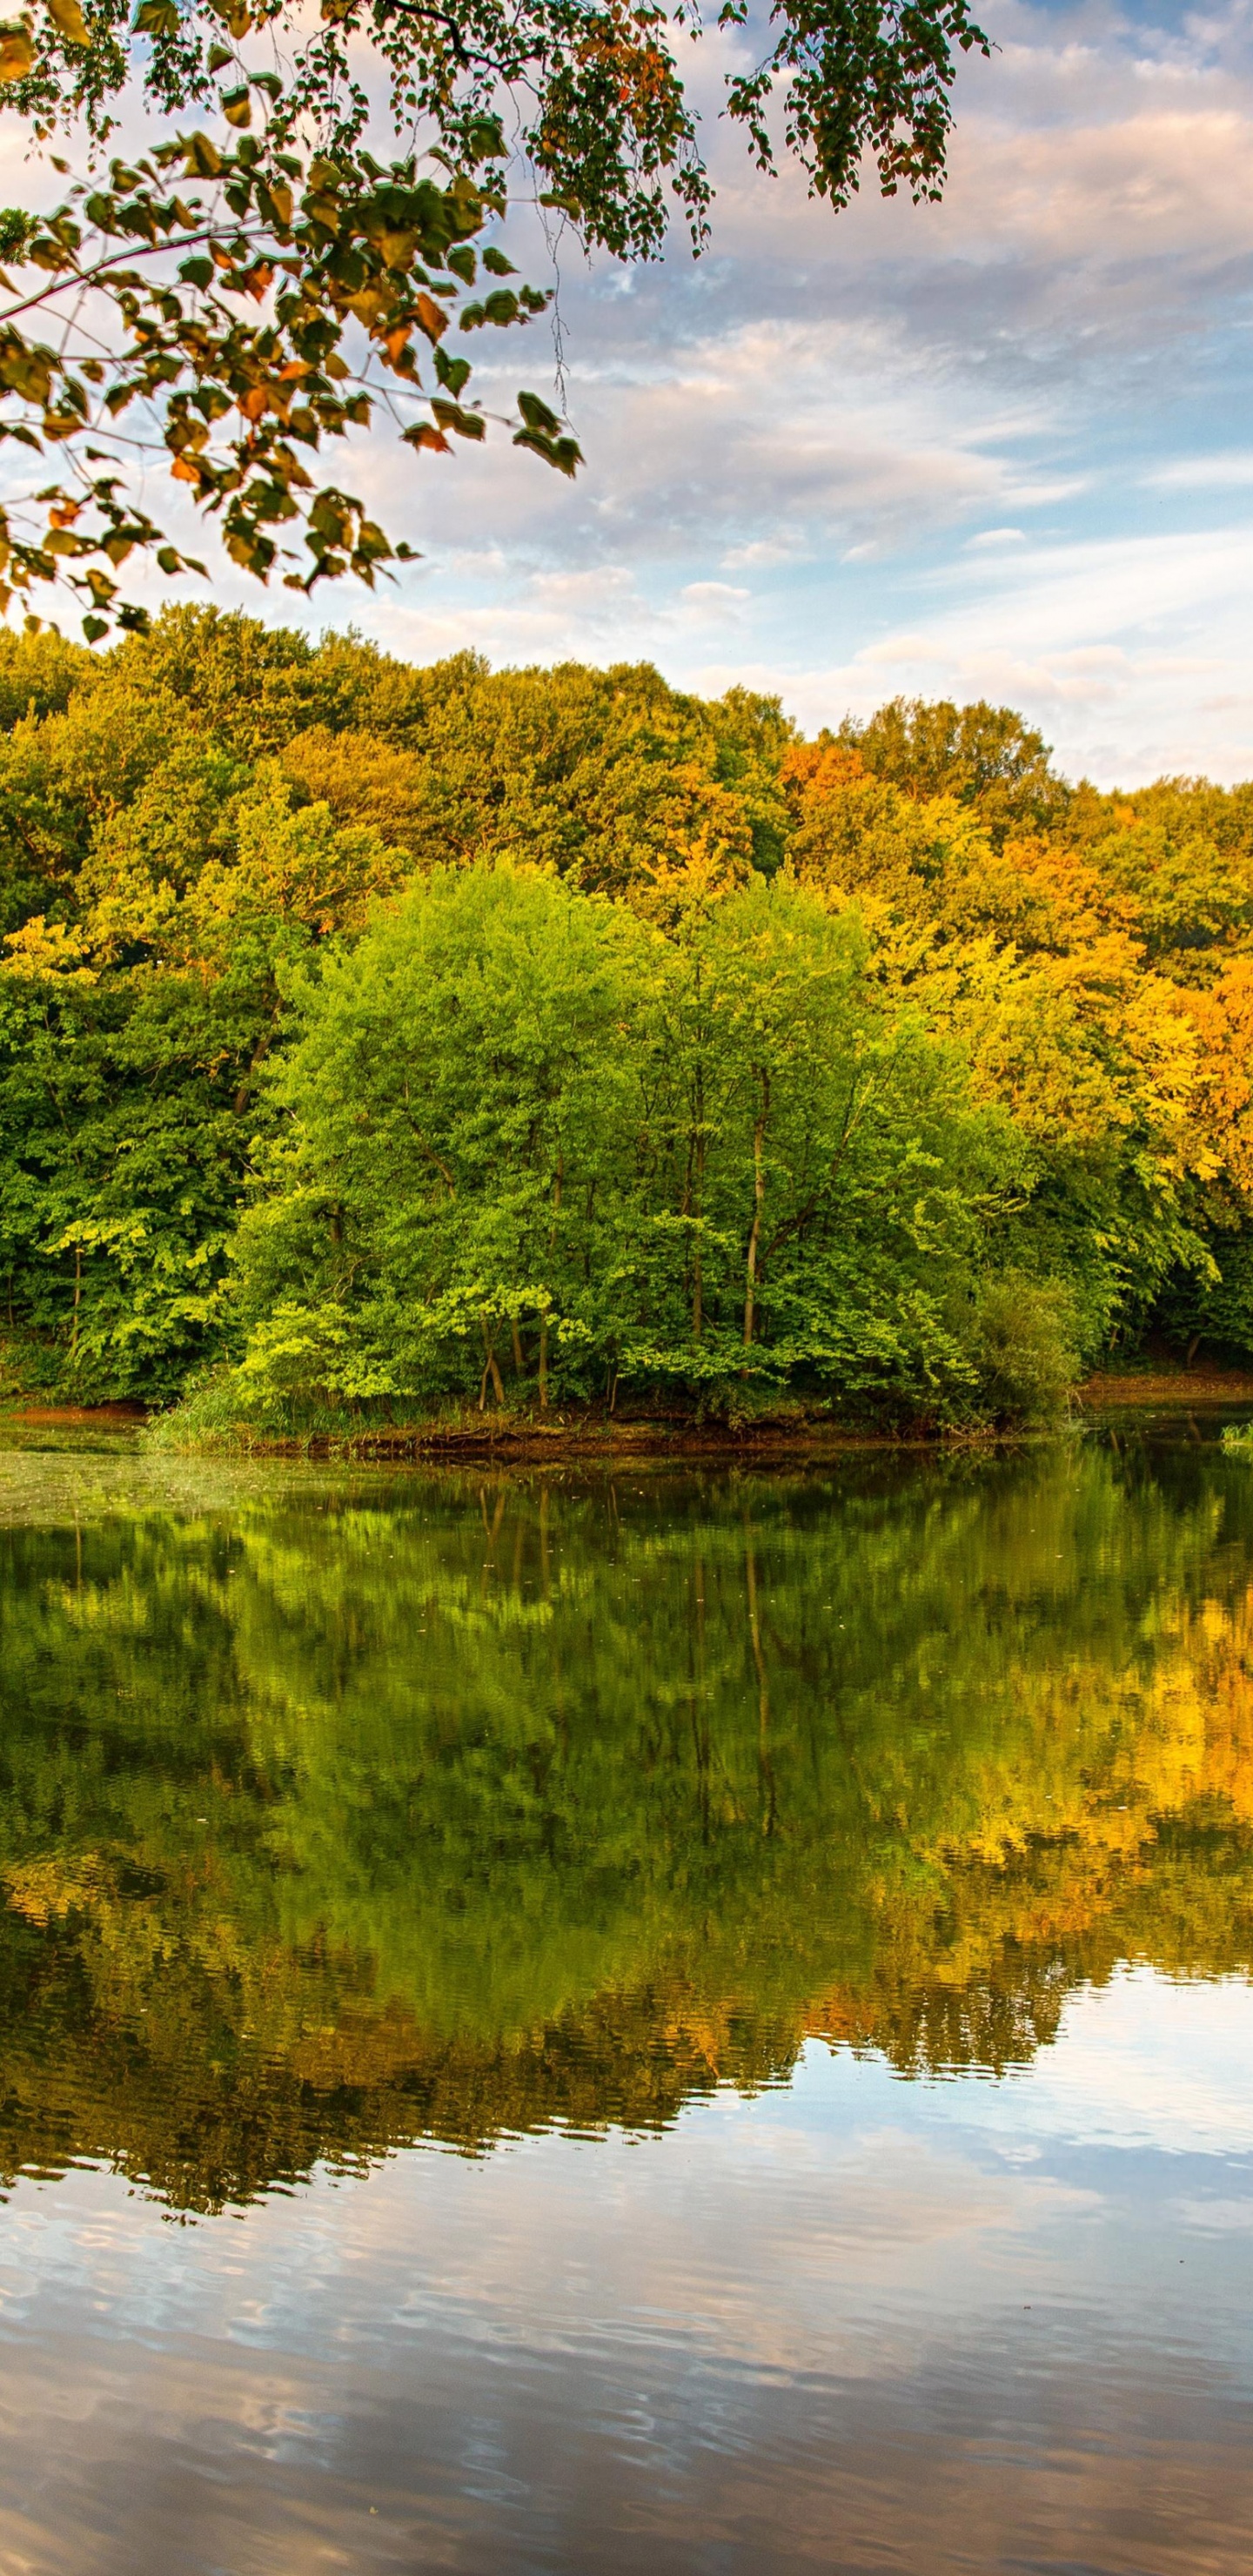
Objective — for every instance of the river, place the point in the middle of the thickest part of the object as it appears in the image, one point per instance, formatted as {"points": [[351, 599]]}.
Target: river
{"points": [[674, 2021]]}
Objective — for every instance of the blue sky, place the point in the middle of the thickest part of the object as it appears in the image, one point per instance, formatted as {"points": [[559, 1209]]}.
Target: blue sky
{"points": [[1001, 447], [998, 448]]}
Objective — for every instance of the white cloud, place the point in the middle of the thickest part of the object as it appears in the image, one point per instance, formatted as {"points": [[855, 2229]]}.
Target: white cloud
{"points": [[1223, 473], [957, 448], [1147, 2060], [762, 553]]}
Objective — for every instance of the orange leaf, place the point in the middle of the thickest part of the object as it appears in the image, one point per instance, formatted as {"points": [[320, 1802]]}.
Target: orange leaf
{"points": [[431, 317]]}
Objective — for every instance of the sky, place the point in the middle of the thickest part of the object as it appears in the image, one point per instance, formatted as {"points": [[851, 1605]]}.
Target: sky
{"points": [[997, 448]]}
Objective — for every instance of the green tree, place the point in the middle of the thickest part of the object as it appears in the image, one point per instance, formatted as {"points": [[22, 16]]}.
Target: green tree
{"points": [[120, 1156], [524, 1131], [445, 1194], [984, 756], [605, 775]]}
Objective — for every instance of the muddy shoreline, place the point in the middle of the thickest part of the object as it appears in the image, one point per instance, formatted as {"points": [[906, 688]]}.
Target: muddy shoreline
{"points": [[594, 1438]]}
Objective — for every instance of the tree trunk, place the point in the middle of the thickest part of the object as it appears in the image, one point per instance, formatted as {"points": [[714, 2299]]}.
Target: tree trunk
{"points": [[490, 1369], [698, 1268], [558, 1182], [759, 1195]]}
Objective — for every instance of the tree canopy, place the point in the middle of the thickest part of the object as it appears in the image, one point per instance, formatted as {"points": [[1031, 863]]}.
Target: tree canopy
{"points": [[393, 1037], [307, 239]]}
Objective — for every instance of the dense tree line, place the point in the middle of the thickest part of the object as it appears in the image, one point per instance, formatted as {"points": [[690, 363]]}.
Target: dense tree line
{"points": [[394, 1036]]}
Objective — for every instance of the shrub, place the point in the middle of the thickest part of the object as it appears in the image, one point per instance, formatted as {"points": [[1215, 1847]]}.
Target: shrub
{"points": [[1022, 1341]]}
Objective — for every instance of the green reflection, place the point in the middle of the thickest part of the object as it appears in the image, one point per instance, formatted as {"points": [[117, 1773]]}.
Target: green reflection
{"points": [[335, 1816]]}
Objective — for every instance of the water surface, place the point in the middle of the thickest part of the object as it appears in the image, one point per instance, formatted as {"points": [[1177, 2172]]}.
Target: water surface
{"points": [[681, 2023]]}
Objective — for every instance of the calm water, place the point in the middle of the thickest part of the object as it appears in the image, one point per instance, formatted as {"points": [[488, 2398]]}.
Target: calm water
{"points": [[692, 2023]]}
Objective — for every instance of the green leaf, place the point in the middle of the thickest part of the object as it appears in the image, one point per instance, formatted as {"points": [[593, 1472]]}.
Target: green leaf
{"points": [[468, 424], [454, 373], [202, 156], [16, 229], [24, 371], [563, 453], [537, 415], [275, 202], [486, 141], [372, 545]]}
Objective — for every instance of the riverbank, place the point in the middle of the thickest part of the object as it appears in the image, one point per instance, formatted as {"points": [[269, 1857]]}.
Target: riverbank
{"points": [[580, 1438], [1110, 1389], [595, 1437], [588, 1436]]}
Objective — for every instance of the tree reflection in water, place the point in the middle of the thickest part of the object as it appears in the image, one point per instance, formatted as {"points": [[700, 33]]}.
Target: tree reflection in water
{"points": [[351, 1813]]}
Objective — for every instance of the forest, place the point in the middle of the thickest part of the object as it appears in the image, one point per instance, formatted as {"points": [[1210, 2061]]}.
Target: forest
{"points": [[380, 1043]]}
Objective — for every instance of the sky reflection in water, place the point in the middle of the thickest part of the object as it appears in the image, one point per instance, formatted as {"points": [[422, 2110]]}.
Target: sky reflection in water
{"points": [[812, 1914]]}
